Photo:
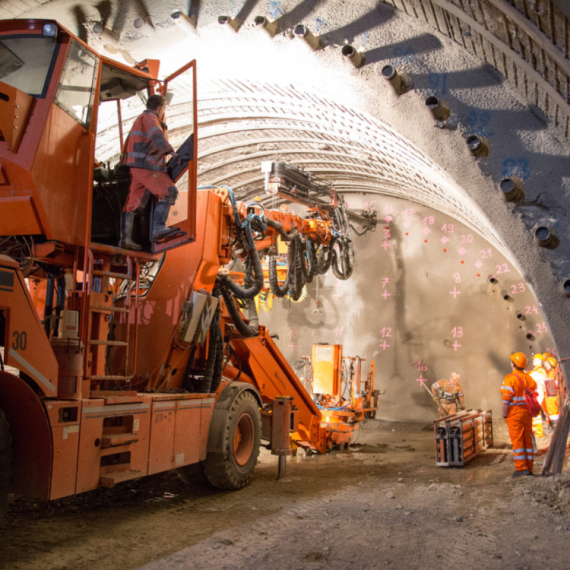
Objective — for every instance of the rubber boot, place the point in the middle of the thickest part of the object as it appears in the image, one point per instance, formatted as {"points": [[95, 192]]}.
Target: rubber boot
{"points": [[159, 228], [127, 219]]}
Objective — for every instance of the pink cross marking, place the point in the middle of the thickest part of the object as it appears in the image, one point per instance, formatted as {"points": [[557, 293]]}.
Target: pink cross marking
{"points": [[455, 347], [478, 264], [388, 219], [461, 251], [421, 380], [292, 347], [337, 295], [386, 245], [426, 231], [385, 345], [455, 293], [385, 295], [444, 240]]}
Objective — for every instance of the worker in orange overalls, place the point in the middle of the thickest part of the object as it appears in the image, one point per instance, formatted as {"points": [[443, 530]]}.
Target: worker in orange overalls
{"points": [[145, 150], [551, 390], [515, 412], [447, 394], [538, 374]]}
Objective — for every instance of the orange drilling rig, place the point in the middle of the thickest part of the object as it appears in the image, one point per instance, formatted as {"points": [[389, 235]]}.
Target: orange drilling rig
{"points": [[118, 364]]}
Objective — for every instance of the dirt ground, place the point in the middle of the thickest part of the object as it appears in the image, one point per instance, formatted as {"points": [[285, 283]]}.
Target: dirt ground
{"points": [[381, 504]]}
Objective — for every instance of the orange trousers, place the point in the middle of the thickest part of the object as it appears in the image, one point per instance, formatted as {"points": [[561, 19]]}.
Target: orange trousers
{"points": [[519, 422], [157, 183]]}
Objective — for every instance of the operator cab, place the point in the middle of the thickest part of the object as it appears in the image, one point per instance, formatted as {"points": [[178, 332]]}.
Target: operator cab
{"points": [[65, 112]]}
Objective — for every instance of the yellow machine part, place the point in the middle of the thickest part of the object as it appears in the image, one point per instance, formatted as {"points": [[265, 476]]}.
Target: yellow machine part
{"points": [[327, 360]]}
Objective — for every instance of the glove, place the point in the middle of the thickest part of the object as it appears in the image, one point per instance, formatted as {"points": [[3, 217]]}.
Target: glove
{"points": [[174, 157]]}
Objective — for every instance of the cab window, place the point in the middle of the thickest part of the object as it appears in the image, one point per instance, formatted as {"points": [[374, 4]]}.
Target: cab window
{"points": [[25, 62], [77, 86]]}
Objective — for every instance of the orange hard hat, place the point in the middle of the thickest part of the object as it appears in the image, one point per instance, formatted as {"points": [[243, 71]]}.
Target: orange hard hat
{"points": [[538, 355], [552, 361], [519, 359]]}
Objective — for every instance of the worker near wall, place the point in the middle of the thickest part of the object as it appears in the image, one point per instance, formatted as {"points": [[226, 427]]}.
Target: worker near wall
{"points": [[145, 152], [538, 374], [448, 394], [551, 391], [516, 414]]}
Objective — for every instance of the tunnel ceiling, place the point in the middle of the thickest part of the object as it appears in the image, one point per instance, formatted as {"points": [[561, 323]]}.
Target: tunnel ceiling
{"points": [[243, 122]]}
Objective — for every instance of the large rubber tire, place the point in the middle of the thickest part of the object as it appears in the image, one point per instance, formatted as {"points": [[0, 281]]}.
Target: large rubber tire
{"points": [[233, 467], [6, 464]]}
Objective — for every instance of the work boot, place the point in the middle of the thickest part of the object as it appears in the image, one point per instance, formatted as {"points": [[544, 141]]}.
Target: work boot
{"points": [[127, 219], [159, 228], [521, 473]]}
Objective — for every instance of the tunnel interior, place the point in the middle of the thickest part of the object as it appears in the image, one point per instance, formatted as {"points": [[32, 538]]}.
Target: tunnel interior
{"points": [[454, 277]]}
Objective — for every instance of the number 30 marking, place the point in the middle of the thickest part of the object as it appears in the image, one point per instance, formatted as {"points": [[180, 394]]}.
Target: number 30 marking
{"points": [[20, 340]]}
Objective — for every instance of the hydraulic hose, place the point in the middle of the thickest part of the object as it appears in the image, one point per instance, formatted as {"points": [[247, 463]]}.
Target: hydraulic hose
{"points": [[257, 285], [274, 280], [323, 259], [277, 226], [344, 271], [244, 329]]}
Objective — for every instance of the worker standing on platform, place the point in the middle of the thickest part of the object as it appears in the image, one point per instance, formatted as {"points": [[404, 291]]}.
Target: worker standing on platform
{"points": [[447, 394], [145, 150], [516, 414], [538, 374], [551, 391]]}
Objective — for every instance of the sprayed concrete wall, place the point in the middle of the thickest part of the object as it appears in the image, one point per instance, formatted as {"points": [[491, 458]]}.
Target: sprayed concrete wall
{"points": [[420, 311], [421, 304]]}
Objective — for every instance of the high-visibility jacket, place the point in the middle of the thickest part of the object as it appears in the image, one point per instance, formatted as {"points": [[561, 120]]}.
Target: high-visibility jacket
{"points": [[551, 402], [538, 374], [147, 143], [519, 420], [443, 390]]}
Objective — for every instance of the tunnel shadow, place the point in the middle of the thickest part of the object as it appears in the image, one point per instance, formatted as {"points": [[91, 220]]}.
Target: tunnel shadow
{"points": [[408, 48], [246, 10], [372, 19], [297, 14], [504, 160]]}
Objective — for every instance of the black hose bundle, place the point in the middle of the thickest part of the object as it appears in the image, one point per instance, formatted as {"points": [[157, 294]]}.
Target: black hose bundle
{"points": [[247, 292], [343, 261], [323, 259], [244, 329]]}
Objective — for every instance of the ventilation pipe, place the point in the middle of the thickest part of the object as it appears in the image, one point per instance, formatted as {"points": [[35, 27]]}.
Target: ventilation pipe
{"points": [[438, 108], [232, 23], [479, 146], [355, 57], [512, 189], [301, 31], [263, 23], [390, 74]]}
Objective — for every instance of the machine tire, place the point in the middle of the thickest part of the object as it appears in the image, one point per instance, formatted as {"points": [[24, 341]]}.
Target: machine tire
{"points": [[6, 464], [233, 467]]}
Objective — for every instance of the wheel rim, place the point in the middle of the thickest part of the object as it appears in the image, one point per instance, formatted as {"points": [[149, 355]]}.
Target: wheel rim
{"points": [[243, 439]]}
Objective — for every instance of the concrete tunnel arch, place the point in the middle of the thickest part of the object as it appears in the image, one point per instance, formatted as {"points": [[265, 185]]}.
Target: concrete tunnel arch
{"points": [[274, 98]]}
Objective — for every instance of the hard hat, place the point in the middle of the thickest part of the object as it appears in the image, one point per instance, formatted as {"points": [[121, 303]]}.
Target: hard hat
{"points": [[519, 359], [454, 377], [547, 355], [538, 356], [552, 361]]}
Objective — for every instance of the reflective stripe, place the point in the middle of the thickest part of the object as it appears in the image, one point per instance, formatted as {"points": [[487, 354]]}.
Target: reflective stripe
{"points": [[509, 388], [529, 450], [518, 398], [530, 457], [34, 371], [519, 450]]}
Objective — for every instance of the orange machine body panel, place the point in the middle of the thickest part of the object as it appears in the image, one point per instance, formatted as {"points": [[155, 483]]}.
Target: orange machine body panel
{"points": [[26, 346]]}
